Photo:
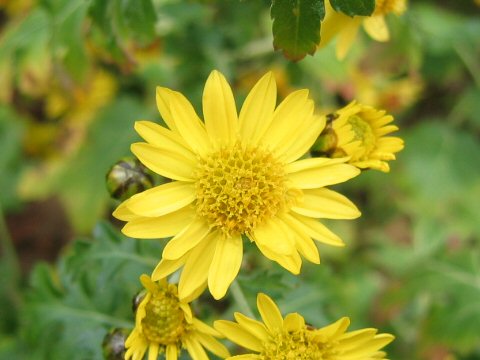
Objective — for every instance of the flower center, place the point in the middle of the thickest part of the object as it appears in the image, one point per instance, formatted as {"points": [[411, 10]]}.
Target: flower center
{"points": [[363, 133], [383, 7], [164, 322], [296, 345], [239, 188]]}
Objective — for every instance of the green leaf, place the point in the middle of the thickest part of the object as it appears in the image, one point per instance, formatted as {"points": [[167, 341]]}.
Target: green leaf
{"points": [[136, 18], [354, 7], [296, 26]]}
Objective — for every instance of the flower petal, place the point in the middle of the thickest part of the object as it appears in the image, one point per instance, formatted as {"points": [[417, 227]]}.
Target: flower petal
{"points": [[195, 272], [325, 203], [376, 27], [166, 267], [270, 313], [294, 322], [238, 335], [318, 172], [171, 352], [316, 230], [160, 136], [122, 212], [165, 162], [225, 265], [347, 36], [186, 240], [253, 326], [189, 125], [194, 348], [219, 110], [291, 262], [159, 227], [257, 110], [211, 344], [163, 105], [274, 235], [162, 199]]}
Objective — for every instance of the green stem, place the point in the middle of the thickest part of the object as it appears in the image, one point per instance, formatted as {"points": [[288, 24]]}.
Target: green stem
{"points": [[241, 300]]}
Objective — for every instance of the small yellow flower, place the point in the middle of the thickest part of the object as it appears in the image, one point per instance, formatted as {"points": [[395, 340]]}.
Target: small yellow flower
{"points": [[336, 23], [165, 324], [279, 338], [358, 131], [235, 175]]}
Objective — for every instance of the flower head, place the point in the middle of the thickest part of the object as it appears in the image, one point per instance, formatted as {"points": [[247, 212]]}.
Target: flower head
{"points": [[235, 175], [358, 131], [336, 23], [165, 324], [279, 338]]}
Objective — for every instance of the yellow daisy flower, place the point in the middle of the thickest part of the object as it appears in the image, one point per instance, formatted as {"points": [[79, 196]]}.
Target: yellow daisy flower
{"points": [[358, 131], [165, 324], [346, 27], [235, 175], [290, 338]]}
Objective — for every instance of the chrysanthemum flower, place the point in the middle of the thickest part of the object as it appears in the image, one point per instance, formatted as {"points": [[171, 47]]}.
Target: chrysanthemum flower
{"points": [[279, 338], [337, 23], [234, 176], [358, 131], [165, 324]]}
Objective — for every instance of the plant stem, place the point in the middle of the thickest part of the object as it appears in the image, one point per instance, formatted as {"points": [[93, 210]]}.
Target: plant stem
{"points": [[8, 250], [241, 300]]}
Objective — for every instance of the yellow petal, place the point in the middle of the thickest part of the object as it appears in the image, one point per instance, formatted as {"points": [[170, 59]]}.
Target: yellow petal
{"points": [[257, 110], [153, 351], [366, 346], [332, 24], [294, 322], [186, 240], [160, 136], [347, 36], [325, 203], [171, 352], [270, 313], [303, 243], [122, 212], [162, 199], [190, 127], [316, 230], [195, 272], [166, 162], [253, 326], [273, 236], [225, 265], [376, 27], [303, 138], [163, 105], [238, 335], [291, 262], [390, 144], [318, 172], [211, 344], [167, 267], [286, 118], [219, 109], [334, 330], [194, 348], [159, 227]]}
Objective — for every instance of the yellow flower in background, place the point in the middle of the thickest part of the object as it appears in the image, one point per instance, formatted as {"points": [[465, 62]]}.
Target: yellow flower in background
{"points": [[358, 131], [165, 324], [290, 338], [235, 175], [346, 28]]}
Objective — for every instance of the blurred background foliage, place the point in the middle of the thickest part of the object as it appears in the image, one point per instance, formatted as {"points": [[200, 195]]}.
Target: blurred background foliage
{"points": [[76, 74]]}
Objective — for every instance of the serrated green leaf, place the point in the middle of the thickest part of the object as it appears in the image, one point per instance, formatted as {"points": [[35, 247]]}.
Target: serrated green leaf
{"points": [[296, 26], [354, 7]]}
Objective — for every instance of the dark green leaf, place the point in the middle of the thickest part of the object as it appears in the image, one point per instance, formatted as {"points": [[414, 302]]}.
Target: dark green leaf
{"points": [[296, 26], [354, 7]]}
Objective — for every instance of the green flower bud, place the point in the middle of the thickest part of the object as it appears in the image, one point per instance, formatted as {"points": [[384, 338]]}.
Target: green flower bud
{"points": [[114, 344]]}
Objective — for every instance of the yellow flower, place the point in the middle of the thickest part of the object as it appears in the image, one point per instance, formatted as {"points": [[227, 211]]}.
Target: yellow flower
{"points": [[337, 23], [233, 176], [165, 324], [279, 338], [358, 131]]}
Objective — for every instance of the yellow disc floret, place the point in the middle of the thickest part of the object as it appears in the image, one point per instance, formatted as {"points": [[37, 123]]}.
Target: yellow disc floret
{"points": [[164, 321], [239, 188], [296, 345], [363, 132]]}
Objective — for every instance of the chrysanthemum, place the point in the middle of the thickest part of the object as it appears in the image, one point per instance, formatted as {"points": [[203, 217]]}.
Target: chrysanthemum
{"points": [[358, 131], [337, 23], [165, 324], [234, 176], [279, 338]]}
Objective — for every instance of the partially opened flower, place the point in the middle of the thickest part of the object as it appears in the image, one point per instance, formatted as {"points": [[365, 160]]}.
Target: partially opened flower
{"points": [[358, 131], [165, 324], [278, 338], [235, 175], [346, 27]]}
